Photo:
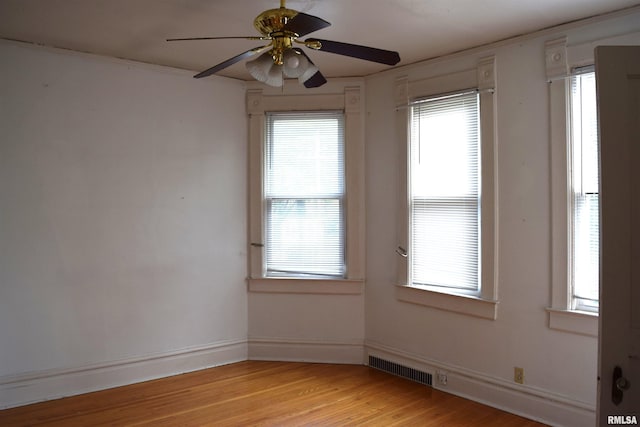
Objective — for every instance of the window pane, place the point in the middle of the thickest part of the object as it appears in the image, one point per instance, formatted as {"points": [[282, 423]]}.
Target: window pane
{"points": [[445, 248], [444, 187], [305, 155], [586, 247], [305, 237], [445, 147], [304, 193], [585, 230]]}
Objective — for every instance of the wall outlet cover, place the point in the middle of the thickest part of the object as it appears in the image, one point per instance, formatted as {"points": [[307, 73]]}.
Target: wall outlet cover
{"points": [[518, 375]]}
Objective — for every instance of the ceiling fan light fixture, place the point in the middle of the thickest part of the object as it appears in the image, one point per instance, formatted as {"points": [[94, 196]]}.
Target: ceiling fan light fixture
{"points": [[260, 67], [275, 78], [310, 71], [295, 64], [265, 70], [283, 27]]}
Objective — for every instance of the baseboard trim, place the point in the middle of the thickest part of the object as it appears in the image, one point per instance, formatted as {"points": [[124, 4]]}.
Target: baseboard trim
{"points": [[530, 402], [297, 350], [31, 387], [527, 401]]}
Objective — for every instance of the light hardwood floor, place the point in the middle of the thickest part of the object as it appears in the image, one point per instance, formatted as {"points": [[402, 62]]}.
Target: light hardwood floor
{"points": [[266, 394]]}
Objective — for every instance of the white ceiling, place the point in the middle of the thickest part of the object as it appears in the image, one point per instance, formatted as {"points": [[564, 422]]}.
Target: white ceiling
{"points": [[417, 29]]}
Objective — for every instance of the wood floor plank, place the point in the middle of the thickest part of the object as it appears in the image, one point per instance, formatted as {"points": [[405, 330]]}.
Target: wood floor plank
{"points": [[266, 394]]}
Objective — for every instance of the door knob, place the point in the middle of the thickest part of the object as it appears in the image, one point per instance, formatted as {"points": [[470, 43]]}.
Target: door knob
{"points": [[619, 386], [623, 384]]}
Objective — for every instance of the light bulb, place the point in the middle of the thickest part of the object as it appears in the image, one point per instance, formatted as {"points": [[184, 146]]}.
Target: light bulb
{"points": [[295, 64], [292, 62]]}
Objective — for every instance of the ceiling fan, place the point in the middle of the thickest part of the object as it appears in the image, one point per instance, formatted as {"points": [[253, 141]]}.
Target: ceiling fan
{"points": [[279, 58]]}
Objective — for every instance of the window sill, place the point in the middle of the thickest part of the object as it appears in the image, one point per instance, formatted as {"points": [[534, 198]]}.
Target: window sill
{"points": [[464, 304], [578, 322], [307, 286]]}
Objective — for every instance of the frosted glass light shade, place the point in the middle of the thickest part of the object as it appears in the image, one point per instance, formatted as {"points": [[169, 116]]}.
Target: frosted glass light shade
{"points": [[308, 73], [295, 64], [265, 70], [275, 76], [260, 67]]}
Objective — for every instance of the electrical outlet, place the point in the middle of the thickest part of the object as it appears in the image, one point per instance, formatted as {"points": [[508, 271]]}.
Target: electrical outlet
{"points": [[518, 375], [442, 377]]}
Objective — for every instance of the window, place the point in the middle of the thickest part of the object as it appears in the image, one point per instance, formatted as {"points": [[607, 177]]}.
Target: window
{"points": [[304, 195], [574, 188], [584, 173], [444, 183], [446, 247], [306, 192]]}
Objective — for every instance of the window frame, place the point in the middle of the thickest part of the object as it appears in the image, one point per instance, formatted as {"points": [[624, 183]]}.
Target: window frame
{"points": [[483, 304], [269, 201], [575, 303], [447, 200], [562, 315], [349, 101]]}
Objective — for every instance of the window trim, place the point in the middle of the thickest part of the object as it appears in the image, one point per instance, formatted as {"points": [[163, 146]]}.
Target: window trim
{"points": [[271, 200], [420, 205], [576, 303], [483, 78], [562, 316], [350, 102]]}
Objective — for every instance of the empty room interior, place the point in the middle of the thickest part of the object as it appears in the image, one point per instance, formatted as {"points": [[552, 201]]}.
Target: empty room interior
{"points": [[144, 235]]}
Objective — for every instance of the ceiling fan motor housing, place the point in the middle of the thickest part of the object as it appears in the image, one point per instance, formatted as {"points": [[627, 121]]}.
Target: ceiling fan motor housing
{"points": [[273, 20], [270, 23]]}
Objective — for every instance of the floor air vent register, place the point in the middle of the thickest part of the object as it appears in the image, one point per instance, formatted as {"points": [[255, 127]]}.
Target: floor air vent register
{"points": [[401, 370]]}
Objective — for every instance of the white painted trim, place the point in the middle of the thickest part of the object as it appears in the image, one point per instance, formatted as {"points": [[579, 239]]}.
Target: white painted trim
{"points": [[556, 58], [451, 82], [298, 350], [561, 316], [483, 78], [560, 214], [579, 322], [350, 99], [31, 387], [402, 222], [524, 400], [458, 303], [582, 54], [307, 286]]}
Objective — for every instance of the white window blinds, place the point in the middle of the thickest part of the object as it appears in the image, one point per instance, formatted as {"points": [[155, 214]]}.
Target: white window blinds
{"points": [[585, 227], [304, 194], [444, 189]]}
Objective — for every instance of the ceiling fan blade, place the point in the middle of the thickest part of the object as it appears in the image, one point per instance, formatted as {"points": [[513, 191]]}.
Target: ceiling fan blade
{"points": [[219, 38], [317, 79], [229, 62], [303, 24], [373, 54]]}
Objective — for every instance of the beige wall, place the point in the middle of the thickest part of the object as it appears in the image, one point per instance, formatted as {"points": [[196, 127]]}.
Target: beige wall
{"points": [[560, 365], [122, 229]]}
